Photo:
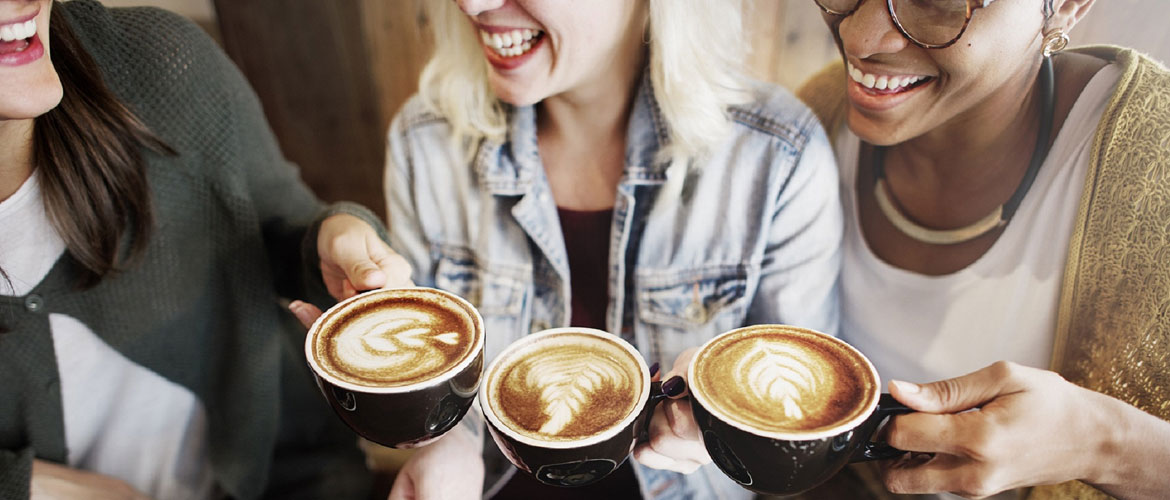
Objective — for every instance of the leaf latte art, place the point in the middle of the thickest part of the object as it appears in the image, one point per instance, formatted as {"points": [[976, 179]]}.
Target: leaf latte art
{"points": [[774, 375], [566, 391], [396, 343], [775, 378]]}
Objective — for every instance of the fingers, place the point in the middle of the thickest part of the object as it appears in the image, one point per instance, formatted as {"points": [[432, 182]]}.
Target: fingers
{"points": [[957, 394], [403, 488], [675, 386], [675, 442], [353, 258], [958, 475], [305, 312], [932, 433]]}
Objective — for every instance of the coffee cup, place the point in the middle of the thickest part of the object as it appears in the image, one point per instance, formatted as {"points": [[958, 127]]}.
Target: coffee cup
{"points": [[781, 409], [566, 405], [399, 366]]}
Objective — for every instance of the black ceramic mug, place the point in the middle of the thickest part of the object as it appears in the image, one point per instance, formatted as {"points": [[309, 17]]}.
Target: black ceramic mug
{"points": [[399, 366], [782, 409], [567, 404]]}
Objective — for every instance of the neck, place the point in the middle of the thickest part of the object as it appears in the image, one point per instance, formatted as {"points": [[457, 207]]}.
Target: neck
{"points": [[594, 114], [16, 146], [992, 143]]}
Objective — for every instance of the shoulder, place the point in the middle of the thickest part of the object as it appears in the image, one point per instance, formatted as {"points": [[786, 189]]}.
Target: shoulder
{"points": [[417, 115], [166, 68], [774, 112], [824, 93]]}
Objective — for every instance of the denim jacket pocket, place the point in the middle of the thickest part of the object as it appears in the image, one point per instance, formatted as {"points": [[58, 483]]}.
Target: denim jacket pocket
{"points": [[493, 294], [693, 299]]}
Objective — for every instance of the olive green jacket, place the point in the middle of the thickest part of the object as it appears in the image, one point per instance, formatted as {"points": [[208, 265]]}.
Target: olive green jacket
{"points": [[1113, 323], [201, 307]]}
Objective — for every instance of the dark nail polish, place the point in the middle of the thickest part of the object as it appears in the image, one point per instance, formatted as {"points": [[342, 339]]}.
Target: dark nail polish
{"points": [[653, 370], [674, 387]]}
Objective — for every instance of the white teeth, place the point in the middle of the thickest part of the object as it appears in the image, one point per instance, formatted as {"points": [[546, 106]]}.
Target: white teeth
{"points": [[881, 82], [511, 43], [18, 31]]}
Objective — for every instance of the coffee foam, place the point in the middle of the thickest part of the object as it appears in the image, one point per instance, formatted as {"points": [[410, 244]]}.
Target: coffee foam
{"points": [[783, 380], [566, 387], [395, 338]]}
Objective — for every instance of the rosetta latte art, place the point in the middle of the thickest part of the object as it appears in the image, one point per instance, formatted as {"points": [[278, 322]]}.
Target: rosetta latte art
{"points": [[775, 375], [569, 385], [406, 341]]}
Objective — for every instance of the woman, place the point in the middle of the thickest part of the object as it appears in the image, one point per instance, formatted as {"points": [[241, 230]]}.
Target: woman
{"points": [[148, 227], [942, 113], [602, 164]]}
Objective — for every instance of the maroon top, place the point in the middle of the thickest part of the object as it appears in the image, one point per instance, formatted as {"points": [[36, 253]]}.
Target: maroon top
{"points": [[587, 244]]}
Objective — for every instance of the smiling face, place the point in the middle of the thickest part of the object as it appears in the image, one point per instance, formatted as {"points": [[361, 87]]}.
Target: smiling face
{"points": [[29, 86], [899, 91], [542, 48]]}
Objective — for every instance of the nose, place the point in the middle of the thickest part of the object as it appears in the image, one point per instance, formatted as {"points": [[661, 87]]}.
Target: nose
{"points": [[475, 7], [870, 31]]}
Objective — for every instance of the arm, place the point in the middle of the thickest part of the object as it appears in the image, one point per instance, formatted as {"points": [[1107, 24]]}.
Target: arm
{"points": [[1032, 427], [798, 283]]}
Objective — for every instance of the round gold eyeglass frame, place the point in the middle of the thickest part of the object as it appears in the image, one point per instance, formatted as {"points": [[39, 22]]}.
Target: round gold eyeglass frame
{"points": [[972, 6]]}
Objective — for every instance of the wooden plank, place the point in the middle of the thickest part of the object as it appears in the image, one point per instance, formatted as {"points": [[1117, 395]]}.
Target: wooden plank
{"points": [[311, 69]]}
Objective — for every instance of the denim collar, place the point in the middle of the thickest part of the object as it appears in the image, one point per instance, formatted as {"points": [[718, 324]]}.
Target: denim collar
{"points": [[510, 168]]}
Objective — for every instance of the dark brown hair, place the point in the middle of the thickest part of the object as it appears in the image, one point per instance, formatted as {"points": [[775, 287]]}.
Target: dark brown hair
{"points": [[89, 152]]}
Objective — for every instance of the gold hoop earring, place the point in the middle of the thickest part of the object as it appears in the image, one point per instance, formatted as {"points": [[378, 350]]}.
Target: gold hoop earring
{"points": [[1054, 41]]}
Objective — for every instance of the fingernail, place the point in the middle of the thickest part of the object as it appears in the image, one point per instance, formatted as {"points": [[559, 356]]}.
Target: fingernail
{"points": [[674, 386], [653, 370], [906, 387]]}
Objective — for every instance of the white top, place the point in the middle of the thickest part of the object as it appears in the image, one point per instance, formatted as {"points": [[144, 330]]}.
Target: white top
{"points": [[121, 419], [923, 328]]}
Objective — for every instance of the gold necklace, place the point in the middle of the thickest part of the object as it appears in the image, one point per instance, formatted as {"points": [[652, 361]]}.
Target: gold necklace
{"points": [[998, 217]]}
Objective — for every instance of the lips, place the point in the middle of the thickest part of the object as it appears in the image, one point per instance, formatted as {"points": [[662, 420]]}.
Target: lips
{"points": [[19, 43], [880, 92], [510, 48]]}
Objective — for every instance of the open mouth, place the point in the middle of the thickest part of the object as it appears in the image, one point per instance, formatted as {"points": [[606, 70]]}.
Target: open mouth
{"points": [[886, 84], [514, 43], [17, 37]]}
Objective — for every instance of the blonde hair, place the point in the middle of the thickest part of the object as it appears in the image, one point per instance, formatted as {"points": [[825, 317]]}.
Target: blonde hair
{"points": [[696, 52]]}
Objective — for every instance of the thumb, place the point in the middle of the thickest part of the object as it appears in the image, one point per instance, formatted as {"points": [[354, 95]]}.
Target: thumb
{"points": [[403, 488], [359, 267], [952, 395]]}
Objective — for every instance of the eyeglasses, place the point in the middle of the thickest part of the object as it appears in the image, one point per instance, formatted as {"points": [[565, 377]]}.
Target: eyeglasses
{"points": [[930, 24]]}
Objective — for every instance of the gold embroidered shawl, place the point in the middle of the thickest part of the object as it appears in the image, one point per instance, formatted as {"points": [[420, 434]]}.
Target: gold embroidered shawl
{"points": [[1113, 321]]}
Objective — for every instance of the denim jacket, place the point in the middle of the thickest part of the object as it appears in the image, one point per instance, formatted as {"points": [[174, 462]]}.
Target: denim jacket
{"points": [[748, 235]]}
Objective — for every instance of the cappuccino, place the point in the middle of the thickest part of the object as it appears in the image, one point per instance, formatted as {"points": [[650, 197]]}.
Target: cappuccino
{"points": [[783, 380], [395, 338], [565, 385]]}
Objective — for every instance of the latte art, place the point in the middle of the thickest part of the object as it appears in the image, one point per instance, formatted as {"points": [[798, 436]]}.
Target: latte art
{"points": [[782, 379], [774, 375], [566, 388], [395, 340]]}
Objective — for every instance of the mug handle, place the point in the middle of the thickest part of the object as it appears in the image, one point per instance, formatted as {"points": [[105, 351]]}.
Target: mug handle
{"points": [[878, 450], [656, 396]]}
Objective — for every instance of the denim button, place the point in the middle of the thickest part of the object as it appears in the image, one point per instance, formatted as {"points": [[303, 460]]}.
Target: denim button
{"points": [[696, 313], [34, 303], [539, 325]]}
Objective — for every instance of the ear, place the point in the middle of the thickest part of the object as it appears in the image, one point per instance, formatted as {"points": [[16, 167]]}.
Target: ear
{"points": [[1067, 13]]}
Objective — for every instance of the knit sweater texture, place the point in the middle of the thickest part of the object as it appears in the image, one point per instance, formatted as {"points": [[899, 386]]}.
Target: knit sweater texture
{"points": [[235, 230]]}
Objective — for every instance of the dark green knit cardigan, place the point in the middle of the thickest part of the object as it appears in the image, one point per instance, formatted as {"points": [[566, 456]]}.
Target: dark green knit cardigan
{"points": [[201, 308]]}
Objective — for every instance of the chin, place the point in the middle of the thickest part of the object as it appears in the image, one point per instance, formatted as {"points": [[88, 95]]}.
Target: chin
{"points": [[878, 133]]}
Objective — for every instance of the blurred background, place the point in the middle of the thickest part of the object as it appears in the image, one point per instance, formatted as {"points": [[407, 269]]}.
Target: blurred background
{"points": [[332, 73]]}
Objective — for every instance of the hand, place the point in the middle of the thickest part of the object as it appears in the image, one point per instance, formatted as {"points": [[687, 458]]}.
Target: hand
{"points": [[353, 258], [448, 469], [52, 481], [1029, 427], [675, 443]]}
